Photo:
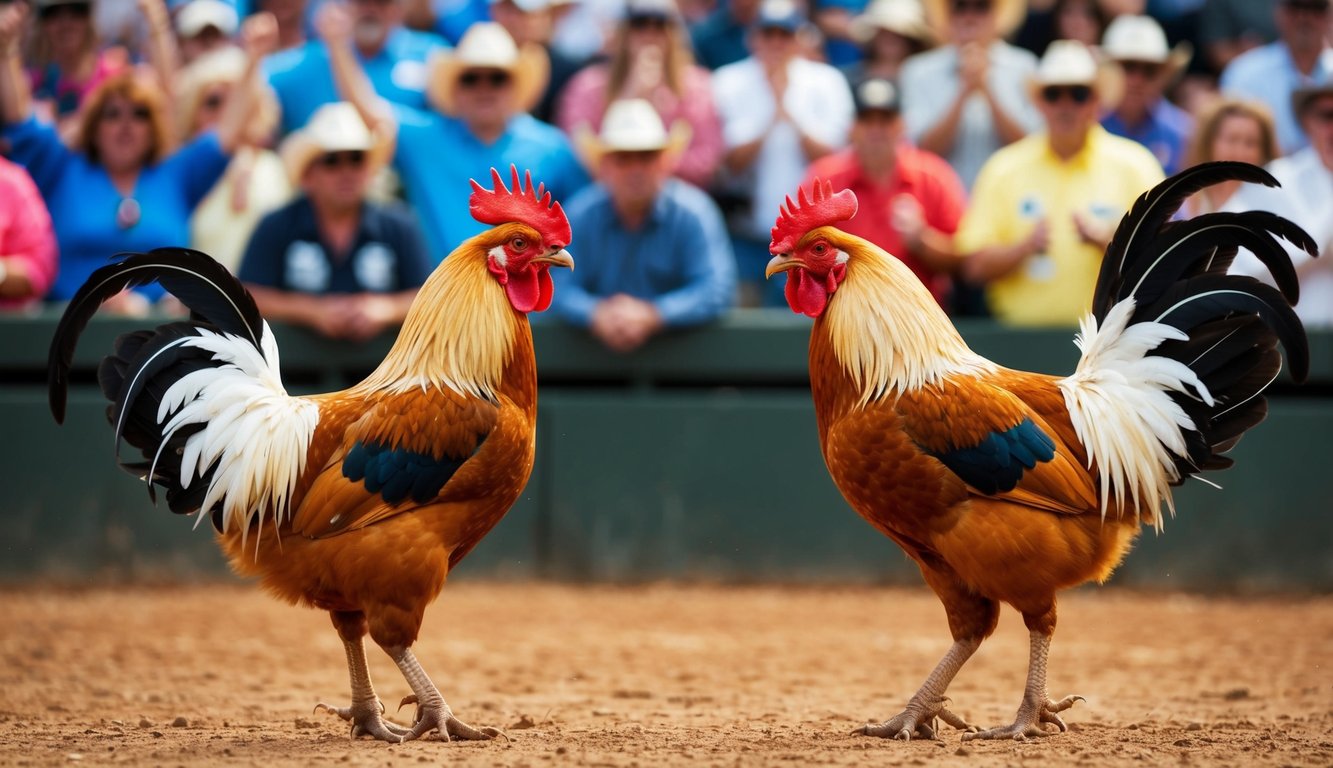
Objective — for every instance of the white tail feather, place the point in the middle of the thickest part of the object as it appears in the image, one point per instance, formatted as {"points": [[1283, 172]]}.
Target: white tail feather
{"points": [[1120, 409], [255, 433]]}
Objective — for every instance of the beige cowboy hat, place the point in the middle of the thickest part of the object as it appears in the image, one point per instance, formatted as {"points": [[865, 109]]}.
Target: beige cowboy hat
{"points": [[903, 17], [1140, 38], [1008, 15], [486, 45], [1069, 62], [335, 127], [225, 65], [630, 125]]}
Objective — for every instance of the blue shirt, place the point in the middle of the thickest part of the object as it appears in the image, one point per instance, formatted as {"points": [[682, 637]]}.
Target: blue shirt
{"points": [[1166, 133], [719, 39], [302, 77], [680, 258], [1267, 74], [84, 204], [287, 253], [437, 156]]}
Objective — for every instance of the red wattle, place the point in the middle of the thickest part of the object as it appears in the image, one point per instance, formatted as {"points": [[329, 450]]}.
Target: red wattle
{"points": [[806, 295], [529, 289]]}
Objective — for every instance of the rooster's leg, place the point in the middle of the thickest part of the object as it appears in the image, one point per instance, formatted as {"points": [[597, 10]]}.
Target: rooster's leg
{"points": [[367, 712], [928, 703], [433, 714], [1036, 710]]}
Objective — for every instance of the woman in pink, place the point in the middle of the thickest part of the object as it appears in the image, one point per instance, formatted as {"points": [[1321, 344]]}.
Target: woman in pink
{"points": [[27, 243], [650, 59]]}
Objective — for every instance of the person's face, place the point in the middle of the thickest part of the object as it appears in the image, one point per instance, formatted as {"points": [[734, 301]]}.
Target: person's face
{"points": [[634, 179], [524, 26], [211, 103], [67, 27], [1317, 120], [372, 20], [971, 20], [1069, 110], [887, 45], [1143, 84], [288, 12], [875, 136], [1076, 20], [1303, 24], [646, 30], [209, 39], [337, 181], [773, 46], [124, 134], [484, 96], [1239, 138]]}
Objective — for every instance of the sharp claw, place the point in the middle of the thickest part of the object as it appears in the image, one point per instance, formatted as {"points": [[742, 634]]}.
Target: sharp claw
{"points": [[408, 699]]}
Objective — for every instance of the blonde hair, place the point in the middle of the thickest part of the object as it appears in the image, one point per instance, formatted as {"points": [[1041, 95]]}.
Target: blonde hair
{"points": [[139, 90], [678, 58], [1210, 123]]}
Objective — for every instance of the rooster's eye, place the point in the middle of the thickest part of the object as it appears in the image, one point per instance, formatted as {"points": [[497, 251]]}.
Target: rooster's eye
{"points": [[518, 243], [820, 249]]}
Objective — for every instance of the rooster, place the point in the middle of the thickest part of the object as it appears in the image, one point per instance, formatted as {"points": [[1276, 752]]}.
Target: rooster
{"points": [[1006, 486], [357, 502]]}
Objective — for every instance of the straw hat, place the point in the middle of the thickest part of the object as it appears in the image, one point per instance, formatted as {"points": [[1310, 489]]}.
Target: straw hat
{"points": [[197, 15], [903, 17], [335, 127], [486, 45], [1008, 15], [1069, 62], [1140, 38], [1301, 97], [631, 125]]}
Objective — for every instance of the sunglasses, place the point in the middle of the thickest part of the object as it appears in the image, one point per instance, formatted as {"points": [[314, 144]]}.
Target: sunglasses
{"points": [[1079, 94], [1144, 68], [645, 23], [139, 114], [1324, 116], [213, 101], [73, 10], [495, 79], [971, 6], [352, 158], [1310, 6]]}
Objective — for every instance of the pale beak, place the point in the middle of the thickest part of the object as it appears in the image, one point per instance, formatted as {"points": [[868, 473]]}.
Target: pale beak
{"points": [[560, 258], [781, 263]]}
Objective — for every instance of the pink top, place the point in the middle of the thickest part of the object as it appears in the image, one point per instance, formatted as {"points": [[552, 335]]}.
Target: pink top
{"points": [[584, 101], [25, 230], [49, 84]]}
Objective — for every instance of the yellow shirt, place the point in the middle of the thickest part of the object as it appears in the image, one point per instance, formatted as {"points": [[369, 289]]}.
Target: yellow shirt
{"points": [[221, 231], [1026, 182]]}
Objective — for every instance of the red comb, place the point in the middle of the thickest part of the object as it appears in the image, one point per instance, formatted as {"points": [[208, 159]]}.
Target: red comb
{"points": [[530, 206], [800, 217]]}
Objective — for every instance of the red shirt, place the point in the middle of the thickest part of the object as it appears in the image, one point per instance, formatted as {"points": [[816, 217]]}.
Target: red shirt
{"points": [[923, 175]]}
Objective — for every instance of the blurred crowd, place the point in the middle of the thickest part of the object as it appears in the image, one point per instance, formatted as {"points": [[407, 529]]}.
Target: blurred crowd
{"points": [[321, 149]]}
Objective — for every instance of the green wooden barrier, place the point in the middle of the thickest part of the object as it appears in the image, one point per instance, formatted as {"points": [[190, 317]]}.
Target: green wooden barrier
{"points": [[695, 458]]}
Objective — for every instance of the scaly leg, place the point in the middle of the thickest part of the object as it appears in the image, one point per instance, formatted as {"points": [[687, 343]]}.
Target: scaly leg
{"points": [[928, 703], [1036, 709], [367, 712], [433, 714]]}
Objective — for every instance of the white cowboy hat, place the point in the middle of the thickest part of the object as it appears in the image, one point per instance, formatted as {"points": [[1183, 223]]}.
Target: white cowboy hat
{"points": [[197, 15], [1008, 15], [1069, 62], [631, 125], [486, 45], [903, 17], [335, 127], [1140, 38]]}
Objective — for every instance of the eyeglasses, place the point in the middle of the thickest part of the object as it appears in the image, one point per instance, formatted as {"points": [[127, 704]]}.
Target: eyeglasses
{"points": [[1079, 94], [971, 6], [645, 23], [352, 158], [73, 10], [137, 113], [1147, 69], [493, 78]]}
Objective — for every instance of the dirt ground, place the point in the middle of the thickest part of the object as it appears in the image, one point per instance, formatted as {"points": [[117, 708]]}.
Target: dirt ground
{"points": [[657, 676]]}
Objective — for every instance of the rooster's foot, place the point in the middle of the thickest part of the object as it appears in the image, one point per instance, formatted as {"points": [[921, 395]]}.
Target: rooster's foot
{"points": [[1030, 721], [367, 718], [438, 717], [917, 721]]}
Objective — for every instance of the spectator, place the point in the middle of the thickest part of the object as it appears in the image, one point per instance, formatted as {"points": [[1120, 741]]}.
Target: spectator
{"points": [[66, 61], [720, 39], [1081, 20], [331, 259], [889, 32], [255, 181], [392, 56], [27, 244], [1230, 129], [291, 21], [1044, 208], [653, 250], [650, 59], [204, 26], [833, 19], [1228, 28], [1138, 45], [532, 22], [779, 113], [910, 200], [120, 187], [1300, 57], [480, 93], [1305, 197], [966, 99]]}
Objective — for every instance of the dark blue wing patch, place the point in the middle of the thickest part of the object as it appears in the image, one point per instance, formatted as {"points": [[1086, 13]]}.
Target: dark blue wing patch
{"points": [[997, 463], [397, 474]]}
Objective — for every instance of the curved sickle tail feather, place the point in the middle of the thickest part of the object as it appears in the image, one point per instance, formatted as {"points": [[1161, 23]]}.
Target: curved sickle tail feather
{"points": [[1176, 352], [201, 399]]}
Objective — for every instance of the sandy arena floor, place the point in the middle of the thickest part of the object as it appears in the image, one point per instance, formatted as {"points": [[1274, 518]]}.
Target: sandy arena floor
{"points": [[657, 676]]}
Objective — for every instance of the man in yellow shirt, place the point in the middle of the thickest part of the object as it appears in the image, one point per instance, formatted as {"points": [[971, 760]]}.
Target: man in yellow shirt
{"points": [[1044, 207]]}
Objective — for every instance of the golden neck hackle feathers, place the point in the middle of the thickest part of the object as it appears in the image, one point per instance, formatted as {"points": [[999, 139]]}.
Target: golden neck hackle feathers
{"points": [[459, 333], [886, 329]]}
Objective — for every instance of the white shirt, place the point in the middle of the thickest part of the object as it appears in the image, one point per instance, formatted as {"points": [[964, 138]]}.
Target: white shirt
{"points": [[817, 99]]}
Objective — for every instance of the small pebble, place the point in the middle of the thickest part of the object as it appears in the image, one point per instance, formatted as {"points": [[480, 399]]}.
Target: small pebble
{"points": [[1194, 727], [179, 722]]}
